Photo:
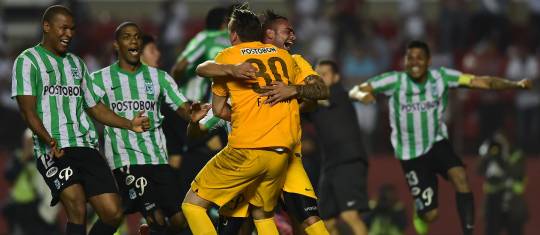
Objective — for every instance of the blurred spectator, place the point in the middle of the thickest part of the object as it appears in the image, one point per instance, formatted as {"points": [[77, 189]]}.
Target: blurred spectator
{"points": [[388, 215], [412, 19], [504, 172], [11, 123], [534, 24], [525, 65], [175, 14], [150, 52], [359, 64], [485, 59], [27, 210], [492, 21], [453, 22], [346, 15]]}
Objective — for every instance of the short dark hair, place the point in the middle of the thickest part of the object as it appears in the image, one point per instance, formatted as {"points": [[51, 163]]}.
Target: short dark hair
{"points": [[269, 18], [147, 39], [54, 10], [246, 24], [120, 27], [419, 44], [215, 18], [333, 65]]}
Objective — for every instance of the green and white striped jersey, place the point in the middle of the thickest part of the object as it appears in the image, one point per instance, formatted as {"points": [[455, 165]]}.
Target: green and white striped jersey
{"points": [[416, 110], [204, 46], [127, 94], [63, 89]]}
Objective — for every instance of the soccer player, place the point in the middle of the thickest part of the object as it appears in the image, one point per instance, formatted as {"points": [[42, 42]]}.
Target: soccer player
{"points": [[418, 99], [262, 136], [139, 160], [150, 54], [53, 90], [204, 46], [298, 193], [343, 183]]}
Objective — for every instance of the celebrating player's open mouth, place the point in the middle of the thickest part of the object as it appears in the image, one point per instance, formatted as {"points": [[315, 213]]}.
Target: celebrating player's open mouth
{"points": [[129, 44], [288, 44]]}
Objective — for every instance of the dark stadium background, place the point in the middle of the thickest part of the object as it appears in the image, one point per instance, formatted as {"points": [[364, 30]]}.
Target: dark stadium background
{"points": [[366, 37]]}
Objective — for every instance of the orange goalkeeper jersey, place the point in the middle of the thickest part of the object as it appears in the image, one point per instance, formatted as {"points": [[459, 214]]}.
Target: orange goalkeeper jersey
{"points": [[255, 124]]}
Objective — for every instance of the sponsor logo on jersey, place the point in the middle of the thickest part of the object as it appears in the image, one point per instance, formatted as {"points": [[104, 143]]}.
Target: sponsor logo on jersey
{"points": [[51, 172], [59, 90], [420, 106], [258, 51], [133, 105]]}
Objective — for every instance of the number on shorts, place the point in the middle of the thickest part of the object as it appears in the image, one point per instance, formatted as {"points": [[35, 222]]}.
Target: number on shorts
{"points": [[47, 160]]}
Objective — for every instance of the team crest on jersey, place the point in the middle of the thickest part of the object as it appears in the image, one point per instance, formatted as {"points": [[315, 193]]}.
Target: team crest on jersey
{"points": [[149, 88], [434, 91], [75, 73]]}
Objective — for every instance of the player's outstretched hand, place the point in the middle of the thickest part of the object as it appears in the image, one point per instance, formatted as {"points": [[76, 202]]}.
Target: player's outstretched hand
{"points": [[525, 83], [140, 123], [357, 94], [55, 151], [198, 111], [244, 70], [278, 92]]}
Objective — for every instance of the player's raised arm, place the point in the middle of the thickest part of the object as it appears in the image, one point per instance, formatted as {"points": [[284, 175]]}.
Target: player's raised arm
{"points": [[495, 83], [212, 69], [362, 93]]}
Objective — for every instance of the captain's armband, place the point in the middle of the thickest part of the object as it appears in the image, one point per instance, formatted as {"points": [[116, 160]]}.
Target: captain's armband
{"points": [[465, 79]]}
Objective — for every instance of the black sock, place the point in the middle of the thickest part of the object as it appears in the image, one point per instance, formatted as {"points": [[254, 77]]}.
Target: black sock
{"points": [[465, 206], [75, 229], [101, 228], [229, 225]]}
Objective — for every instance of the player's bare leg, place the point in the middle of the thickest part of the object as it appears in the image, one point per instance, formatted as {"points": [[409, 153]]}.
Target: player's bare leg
{"points": [[73, 199], [108, 208], [331, 225], [354, 221]]}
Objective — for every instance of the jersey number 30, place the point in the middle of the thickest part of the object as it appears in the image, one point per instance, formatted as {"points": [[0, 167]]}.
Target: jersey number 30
{"points": [[263, 72]]}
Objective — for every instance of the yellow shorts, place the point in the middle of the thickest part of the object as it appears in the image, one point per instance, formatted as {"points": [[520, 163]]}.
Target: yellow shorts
{"points": [[232, 172], [296, 181]]}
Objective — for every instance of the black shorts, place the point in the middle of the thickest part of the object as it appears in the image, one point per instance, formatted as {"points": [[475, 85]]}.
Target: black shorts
{"points": [[421, 174], [79, 165], [343, 188], [147, 187]]}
